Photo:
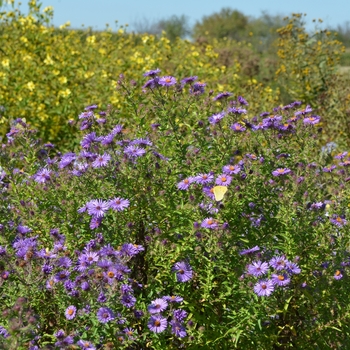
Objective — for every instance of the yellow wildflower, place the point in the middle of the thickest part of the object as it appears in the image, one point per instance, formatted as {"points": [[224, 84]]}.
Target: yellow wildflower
{"points": [[30, 86]]}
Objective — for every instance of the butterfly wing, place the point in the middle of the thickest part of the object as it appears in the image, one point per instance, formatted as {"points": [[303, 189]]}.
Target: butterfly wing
{"points": [[219, 192]]}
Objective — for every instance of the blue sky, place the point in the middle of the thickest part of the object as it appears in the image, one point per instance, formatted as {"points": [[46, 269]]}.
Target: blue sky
{"points": [[96, 13]]}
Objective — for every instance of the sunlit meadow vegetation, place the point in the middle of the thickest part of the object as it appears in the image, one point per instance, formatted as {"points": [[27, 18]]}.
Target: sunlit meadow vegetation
{"points": [[189, 203], [48, 73]]}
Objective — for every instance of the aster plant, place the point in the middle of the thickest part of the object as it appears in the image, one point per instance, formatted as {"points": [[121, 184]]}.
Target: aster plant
{"points": [[122, 240]]}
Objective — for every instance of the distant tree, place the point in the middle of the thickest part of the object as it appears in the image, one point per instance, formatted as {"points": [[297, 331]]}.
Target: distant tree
{"points": [[174, 26], [265, 26], [227, 23], [344, 33]]}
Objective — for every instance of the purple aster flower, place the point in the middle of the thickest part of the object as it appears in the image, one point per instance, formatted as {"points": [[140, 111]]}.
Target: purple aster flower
{"points": [[2, 250], [70, 312], [128, 300], [188, 80], [304, 111], [258, 268], [61, 275], [62, 344], [91, 108], [238, 127], [280, 280], [101, 298], [66, 159], [50, 283], [293, 268], [231, 169], [117, 129], [209, 192], [329, 169], [341, 155], [90, 257], [88, 140], [107, 140], [142, 141], [119, 204], [183, 271], [105, 314], [317, 206], [272, 120], [179, 315], [5, 275], [85, 345], [209, 208], [249, 250], [242, 101], [133, 151], [152, 73], [278, 262], [338, 220], [157, 324], [185, 184], [167, 81], [126, 288], [314, 119], [264, 288], [222, 95], [151, 84], [203, 178], [157, 306], [101, 160], [42, 176], [338, 275], [178, 329], [285, 127], [69, 285], [129, 249], [215, 118], [173, 299], [4, 332], [138, 313], [296, 104], [95, 222], [60, 334], [82, 209], [86, 115], [97, 207], [64, 262], [251, 156], [264, 114], [23, 229], [210, 223], [111, 274], [197, 88], [47, 268], [235, 110], [223, 180], [281, 171]]}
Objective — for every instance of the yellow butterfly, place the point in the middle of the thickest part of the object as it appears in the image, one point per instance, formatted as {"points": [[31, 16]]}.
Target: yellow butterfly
{"points": [[219, 192]]}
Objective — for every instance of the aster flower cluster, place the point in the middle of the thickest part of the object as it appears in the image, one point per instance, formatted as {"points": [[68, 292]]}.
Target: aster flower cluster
{"points": [[97, 208], [158, 322], [196, 87], [272, 120], [97, 268], [277, 272], [96, 283], [98, 151], [209, 180]]}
